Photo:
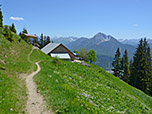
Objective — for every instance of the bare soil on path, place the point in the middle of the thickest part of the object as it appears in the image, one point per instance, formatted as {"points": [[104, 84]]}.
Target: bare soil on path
{"points": [[35, 103]]}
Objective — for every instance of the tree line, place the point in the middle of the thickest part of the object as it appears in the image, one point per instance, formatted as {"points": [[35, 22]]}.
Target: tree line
{"points": [[138, 72], [39, 42]]}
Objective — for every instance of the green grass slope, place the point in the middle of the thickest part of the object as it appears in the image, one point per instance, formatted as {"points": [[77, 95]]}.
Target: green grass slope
{"points": [[72, 88], [13, 64], [67, 87]]}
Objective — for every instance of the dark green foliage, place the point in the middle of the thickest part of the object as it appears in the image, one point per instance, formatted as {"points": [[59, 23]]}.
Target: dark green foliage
{"points": [[25, 31], [116, 64], [141, 69], [41, 41], [7, 33], [44, 40], [23, 36], [124, 66], [92, 56], [126, 71], [12, 28], [75, 51], [1, 18]]}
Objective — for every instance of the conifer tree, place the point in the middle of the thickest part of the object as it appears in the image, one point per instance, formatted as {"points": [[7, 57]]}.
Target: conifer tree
{"points": [[141, 70], [130, 64], [48, 40], [122, 65], [1, 18], [126, 72], [41, 41], [22, 34], [137, 70], [116, 64], [25, 31], [12, 28]]}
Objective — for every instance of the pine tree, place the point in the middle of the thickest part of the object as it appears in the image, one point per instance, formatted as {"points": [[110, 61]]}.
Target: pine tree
{"points": [[12, 28], [116, 64], [126, 72], [1, 18]]}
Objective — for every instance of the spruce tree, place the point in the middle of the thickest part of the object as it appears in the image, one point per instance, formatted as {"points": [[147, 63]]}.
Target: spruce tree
{"points": [[116, 64], [41, 41], [12, 28], [25, 31], [126, 72], [122, 65], [23, 36], [1, 18], [137, 67], [48, 40], [141, 70], [147, 78]]}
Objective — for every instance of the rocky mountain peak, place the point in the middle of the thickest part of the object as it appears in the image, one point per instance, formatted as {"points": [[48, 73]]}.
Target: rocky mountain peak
{"points": [[100, 37]]}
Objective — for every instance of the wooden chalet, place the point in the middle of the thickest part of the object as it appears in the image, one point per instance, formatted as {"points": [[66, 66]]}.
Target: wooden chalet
{"points": [[58, 50]]}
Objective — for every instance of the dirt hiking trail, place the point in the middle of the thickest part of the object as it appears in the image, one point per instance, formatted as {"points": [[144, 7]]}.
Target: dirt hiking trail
{"points": [[35, 103]]}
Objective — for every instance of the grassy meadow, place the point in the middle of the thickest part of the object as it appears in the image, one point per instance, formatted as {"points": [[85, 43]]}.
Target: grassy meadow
{"points": [[68, 88], [72, 88]]}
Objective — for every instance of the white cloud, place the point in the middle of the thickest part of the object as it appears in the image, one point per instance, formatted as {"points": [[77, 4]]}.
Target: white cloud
{"points": [[135, 25], [17, 18]]}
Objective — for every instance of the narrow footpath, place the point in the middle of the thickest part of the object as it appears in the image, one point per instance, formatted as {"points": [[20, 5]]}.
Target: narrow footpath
{"points": [[35, 103]]}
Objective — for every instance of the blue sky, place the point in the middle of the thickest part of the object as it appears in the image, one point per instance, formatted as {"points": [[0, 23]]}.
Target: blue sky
{"points": [[123, 19]]}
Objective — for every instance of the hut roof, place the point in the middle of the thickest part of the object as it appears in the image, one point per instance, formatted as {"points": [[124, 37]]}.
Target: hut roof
{"points": [[29, 35], [48, 48]]}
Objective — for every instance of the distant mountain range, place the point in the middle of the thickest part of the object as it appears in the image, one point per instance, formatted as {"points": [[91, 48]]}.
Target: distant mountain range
{"points": [[104, 45], [64, 40], [134, 42]]}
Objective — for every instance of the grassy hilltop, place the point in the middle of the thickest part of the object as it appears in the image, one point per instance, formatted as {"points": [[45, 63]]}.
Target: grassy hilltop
{"points": [[67, 87]]}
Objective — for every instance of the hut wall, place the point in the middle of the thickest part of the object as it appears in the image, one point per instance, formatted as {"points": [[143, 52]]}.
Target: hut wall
{"points": [[60, 49]]}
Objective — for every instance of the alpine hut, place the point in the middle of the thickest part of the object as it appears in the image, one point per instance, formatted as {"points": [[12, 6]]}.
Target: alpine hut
{"points": [[58, 50]]}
